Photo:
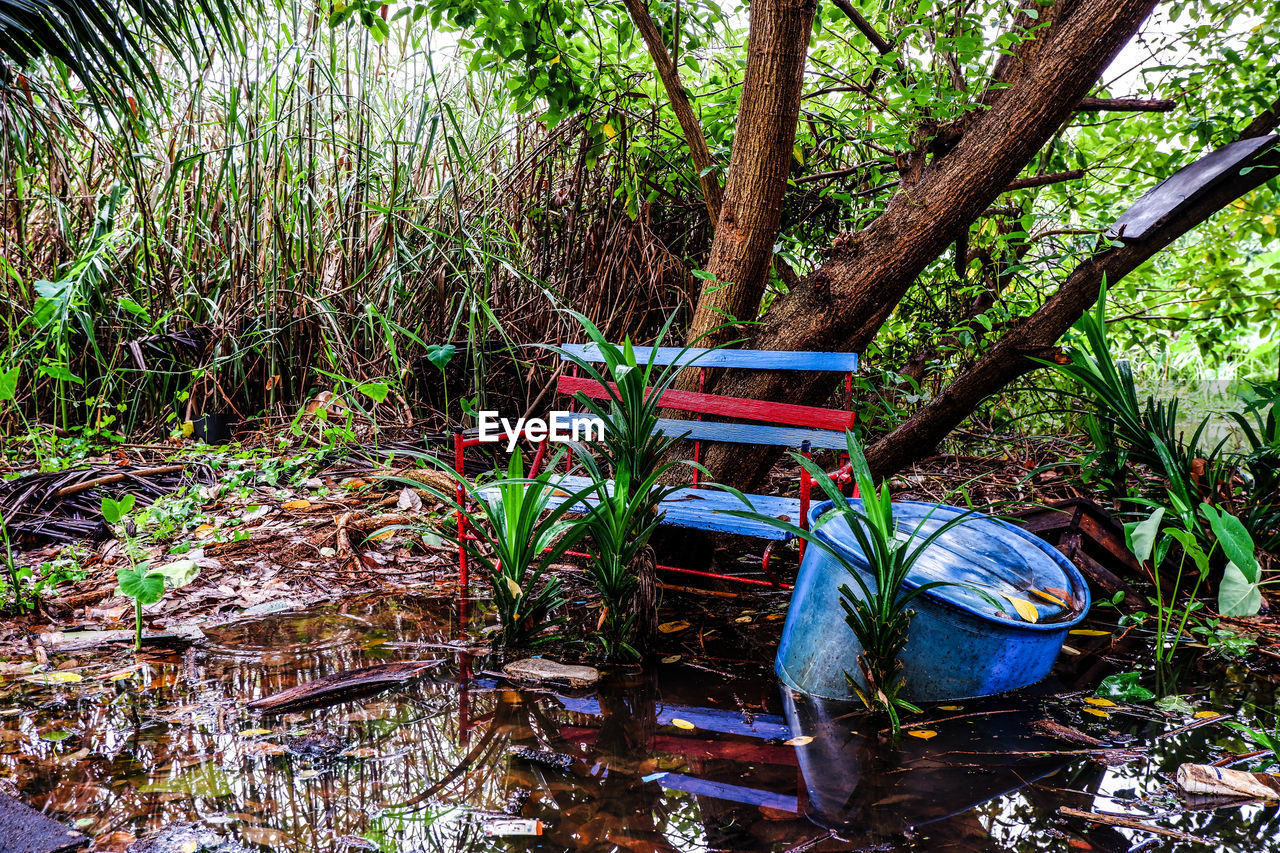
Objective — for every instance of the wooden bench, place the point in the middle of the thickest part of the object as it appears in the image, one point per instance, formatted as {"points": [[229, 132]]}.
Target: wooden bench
{"points": [[805, 428]]}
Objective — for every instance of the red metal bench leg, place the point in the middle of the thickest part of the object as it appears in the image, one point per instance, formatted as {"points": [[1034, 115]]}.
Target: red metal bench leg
{"points": [[764, 564], [460, 495]]}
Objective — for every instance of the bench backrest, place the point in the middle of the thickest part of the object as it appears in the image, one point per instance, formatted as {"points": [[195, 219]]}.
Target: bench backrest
{"points": [[821, 427]]}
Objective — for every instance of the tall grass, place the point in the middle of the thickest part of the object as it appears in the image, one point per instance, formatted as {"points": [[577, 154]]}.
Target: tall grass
{"points": [[309, 211]]}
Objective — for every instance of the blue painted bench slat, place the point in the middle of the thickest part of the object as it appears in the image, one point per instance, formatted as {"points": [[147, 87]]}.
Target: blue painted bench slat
{"points": [[701, 509], [819, 439], [751, 359]]}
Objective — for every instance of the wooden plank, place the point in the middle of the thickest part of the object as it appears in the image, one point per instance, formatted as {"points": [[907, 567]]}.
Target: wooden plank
{"points": [[342, 686], [1184, 186], [730, 407], [726, 791], [819, 439], [702, 509], [751, 359], [25, 830]]}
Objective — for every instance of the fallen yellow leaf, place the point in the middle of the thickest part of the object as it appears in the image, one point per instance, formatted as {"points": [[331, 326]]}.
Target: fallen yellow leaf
{"points": [[204, 530], [950, 707], [54, 678], [255, 732], [672, 627], [1089, 632], [923, 734], [301, 503], [801, 740], [513, 587], [1097, 712], [1100, 702], [682, 724], [743, 619], [1025, 608], [671, 659], [1204, 715], [1049, 597]]}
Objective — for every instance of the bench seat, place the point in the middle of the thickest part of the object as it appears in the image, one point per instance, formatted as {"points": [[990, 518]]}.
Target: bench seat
{"points": [[701, 509]]}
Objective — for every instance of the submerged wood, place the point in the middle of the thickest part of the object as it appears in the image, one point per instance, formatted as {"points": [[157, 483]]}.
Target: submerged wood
{"points": [[25, 830], [344, 685]]}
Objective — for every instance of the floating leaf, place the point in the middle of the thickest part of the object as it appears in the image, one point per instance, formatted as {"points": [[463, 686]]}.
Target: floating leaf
{"points": [[48, 678], [1097, 712], [923, 734], [1100, 702], [1204, 715], [1048, 596], [1124, 686], [950, 707], [1025, 608], [1089, 632], [673, 627], [256, 732], [801, 740], [1174, 705], [682, 724]]}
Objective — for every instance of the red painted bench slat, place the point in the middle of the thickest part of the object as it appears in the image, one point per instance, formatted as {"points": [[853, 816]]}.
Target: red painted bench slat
{"points": [[730, 407]]}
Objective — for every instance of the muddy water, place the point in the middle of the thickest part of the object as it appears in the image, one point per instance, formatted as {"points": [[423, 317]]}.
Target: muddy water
{"points": [[699, 754]]}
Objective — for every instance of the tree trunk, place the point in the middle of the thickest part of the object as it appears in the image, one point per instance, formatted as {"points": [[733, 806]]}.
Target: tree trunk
{"points": [[1036, 336], [679, 98], [758, 168], [843, 303]]}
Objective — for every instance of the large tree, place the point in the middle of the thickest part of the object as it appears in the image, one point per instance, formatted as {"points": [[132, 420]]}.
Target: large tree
{"points": [[891, 151]]}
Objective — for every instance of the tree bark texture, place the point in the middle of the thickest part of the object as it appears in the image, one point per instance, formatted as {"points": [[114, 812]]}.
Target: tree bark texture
{"points": [[679, 98], [777, 46], [844, 302]]}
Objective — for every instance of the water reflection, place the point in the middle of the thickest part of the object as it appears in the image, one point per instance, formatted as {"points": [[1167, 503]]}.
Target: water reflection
{"points": [[679, 758]]}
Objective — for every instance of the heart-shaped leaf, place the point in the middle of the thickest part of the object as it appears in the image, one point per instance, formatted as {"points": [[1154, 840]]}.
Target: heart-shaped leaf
{"points": [[176, 574], [440, 354], [143, 587], [113, 510], [1238, 596]]}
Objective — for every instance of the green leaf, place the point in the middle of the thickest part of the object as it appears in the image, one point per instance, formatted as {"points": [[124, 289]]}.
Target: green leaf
{"points": [[9, 384], [1238, 595], [375, 391], [1124, 687], [113, 510], [440, 354], [1140, 536], [1235, 540], [141, 586], [176, 574]]}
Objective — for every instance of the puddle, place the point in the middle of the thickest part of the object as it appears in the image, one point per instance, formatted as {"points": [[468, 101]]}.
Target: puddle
{"points": [[683, 757]]}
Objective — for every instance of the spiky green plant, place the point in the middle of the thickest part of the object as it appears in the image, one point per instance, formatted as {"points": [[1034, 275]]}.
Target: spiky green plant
{"points": [[877, 607], [627, 467]]}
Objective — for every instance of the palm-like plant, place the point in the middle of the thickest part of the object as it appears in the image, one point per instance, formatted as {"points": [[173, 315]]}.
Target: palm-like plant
{"points": [[879, 612], [105, 43], [515, 535], [626, 473]]}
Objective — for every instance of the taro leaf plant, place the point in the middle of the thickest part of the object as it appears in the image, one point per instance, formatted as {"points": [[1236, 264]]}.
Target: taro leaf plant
{"points": [[877, 608], [1150, 544], [626, 468], [139, 581]]}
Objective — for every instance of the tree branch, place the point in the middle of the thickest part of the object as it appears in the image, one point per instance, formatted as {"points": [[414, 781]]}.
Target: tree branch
{"points": [[1126, 105], [679, 98], [1036, 336], [1044, 180]]}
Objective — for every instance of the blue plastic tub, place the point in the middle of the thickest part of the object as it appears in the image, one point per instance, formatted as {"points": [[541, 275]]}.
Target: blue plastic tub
{"points": [[960, 644]]}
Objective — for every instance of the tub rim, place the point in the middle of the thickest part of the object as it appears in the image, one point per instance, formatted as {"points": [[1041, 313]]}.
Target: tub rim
{"points": [[1073, 574]]}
